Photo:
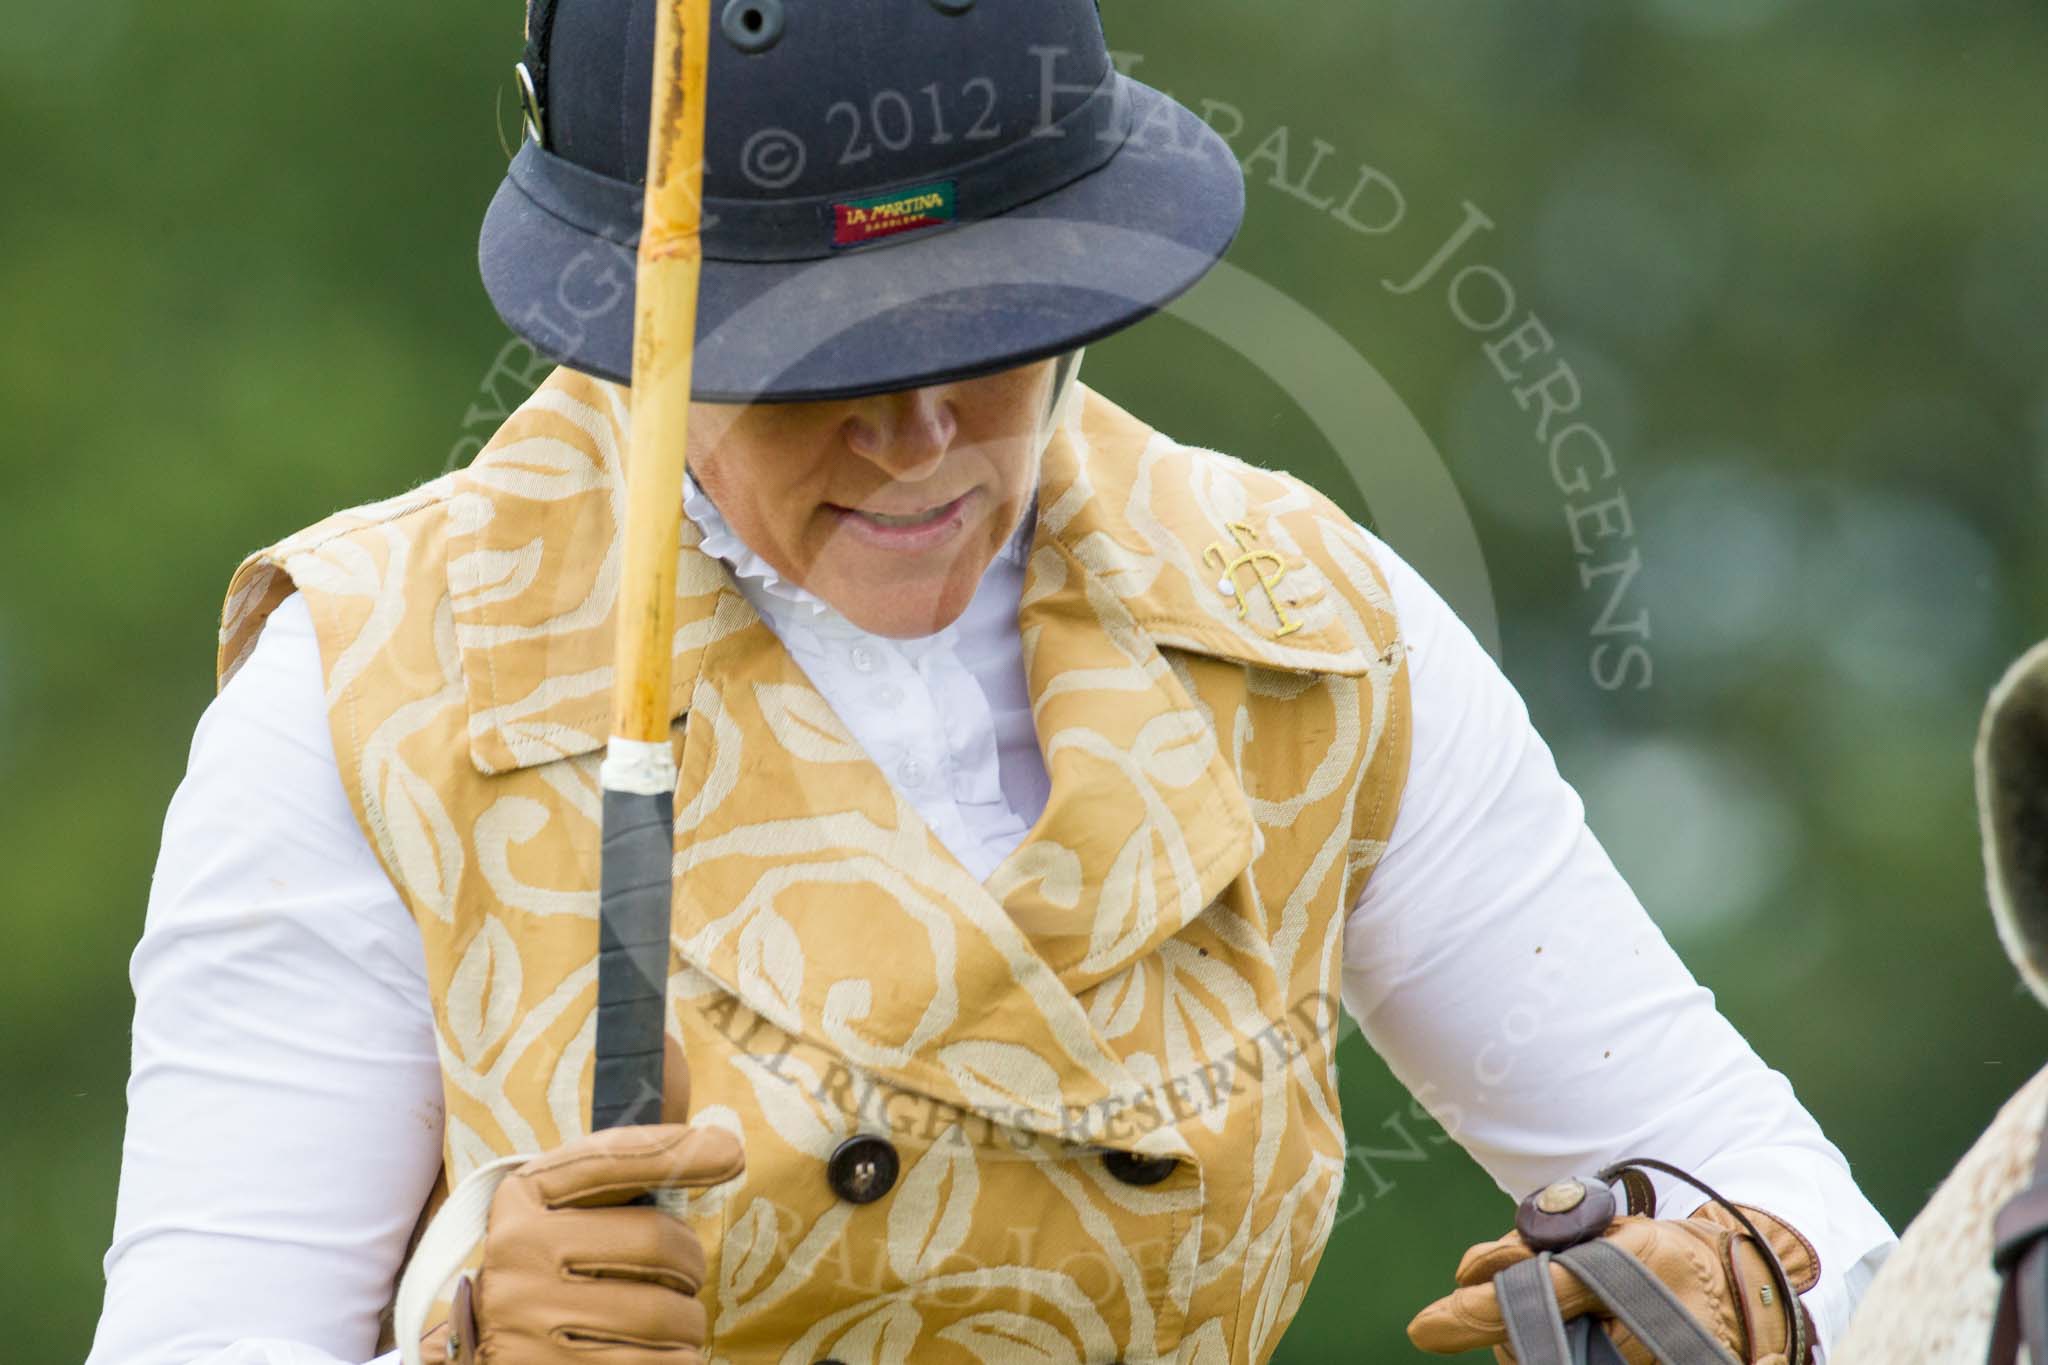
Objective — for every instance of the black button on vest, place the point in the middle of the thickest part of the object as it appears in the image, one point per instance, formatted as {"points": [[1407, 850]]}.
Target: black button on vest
{"points": [[1133, 1169], [863, 1169]]}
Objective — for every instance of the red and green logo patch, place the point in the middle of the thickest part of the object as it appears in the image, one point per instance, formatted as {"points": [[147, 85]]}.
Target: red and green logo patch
{"points": [[865, 220]]}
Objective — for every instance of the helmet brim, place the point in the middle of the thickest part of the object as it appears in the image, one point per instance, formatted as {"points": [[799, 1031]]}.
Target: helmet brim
{"points": [[1075, 265]]}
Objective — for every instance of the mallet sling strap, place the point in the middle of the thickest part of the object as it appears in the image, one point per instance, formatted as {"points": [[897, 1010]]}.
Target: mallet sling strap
{"points": [[1539, 1335]]}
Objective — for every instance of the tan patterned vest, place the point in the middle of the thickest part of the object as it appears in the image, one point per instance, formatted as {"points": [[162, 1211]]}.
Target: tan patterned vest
{"points": [[1151, 974]]}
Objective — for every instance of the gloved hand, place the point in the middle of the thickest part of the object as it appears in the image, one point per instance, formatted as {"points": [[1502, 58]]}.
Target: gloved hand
{"points": [[570, 1263], [1707, 1260]]}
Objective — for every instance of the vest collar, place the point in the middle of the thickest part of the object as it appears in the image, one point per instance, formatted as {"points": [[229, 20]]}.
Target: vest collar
{"points": [[543, 501]]}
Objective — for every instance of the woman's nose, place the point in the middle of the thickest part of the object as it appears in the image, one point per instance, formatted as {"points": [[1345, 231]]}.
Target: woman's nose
{"points": [[905, 434]]}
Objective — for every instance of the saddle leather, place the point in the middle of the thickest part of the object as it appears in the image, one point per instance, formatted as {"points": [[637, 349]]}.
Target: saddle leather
{"points": [[2019, 1251]]}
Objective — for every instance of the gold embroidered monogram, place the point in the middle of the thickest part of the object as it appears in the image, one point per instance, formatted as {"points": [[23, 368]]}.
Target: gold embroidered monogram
{"points": [[1152, 973], [1255, 557]]}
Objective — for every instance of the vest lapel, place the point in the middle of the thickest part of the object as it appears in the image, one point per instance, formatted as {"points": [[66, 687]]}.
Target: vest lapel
{"points": [[1146, 824], [1147, 821]]}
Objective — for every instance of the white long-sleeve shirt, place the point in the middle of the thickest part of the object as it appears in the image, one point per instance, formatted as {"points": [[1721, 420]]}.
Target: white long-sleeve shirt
{"points": [[284, 1111]]}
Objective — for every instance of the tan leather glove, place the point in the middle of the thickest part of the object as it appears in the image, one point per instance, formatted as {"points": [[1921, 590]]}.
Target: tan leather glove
{"points": [[572, 1266], [1713, 1267]]}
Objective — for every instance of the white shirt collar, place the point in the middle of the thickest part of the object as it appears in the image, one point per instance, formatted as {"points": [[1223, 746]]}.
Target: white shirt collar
{"points": [[792, 604]]}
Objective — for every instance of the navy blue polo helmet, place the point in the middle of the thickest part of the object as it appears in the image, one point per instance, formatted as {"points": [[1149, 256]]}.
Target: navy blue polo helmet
{"points": [[897, 192]]}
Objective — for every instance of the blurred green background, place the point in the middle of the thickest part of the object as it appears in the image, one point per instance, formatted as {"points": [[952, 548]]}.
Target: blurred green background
{"points": [[1796, 253]]}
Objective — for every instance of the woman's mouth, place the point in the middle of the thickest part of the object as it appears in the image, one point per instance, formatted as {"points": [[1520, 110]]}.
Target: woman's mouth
{"points": [[913, 531], [926, 517]]}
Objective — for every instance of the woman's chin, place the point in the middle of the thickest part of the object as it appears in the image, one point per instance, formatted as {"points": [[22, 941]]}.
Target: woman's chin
{"points": [[900, 595], [904, 616]]}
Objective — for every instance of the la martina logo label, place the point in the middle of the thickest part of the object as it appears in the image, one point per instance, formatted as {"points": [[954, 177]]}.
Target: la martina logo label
{"points": [[865, 220]]}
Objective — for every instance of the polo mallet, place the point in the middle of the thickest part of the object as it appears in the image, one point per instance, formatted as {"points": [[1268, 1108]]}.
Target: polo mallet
{"points": [[639, 772], [1564, 1222]]}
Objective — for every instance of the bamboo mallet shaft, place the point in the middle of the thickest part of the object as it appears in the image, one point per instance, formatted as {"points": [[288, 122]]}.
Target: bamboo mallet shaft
{"points": [[664, 350]]}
